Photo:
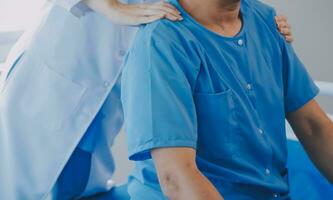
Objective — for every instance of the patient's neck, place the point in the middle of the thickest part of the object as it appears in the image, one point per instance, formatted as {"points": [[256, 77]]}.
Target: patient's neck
{"points": [[221, 16]]}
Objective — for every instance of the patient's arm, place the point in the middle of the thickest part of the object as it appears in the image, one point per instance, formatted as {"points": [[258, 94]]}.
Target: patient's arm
{"points": [[179, 176], [315, 131]]}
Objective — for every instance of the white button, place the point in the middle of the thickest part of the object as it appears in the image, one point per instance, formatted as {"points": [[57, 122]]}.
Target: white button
{"points": [[248, 86], [240, 42], [275, 195], [267, 172], [81, 118], [122, 52], [260, 131], [109, 184], [106, 83]]}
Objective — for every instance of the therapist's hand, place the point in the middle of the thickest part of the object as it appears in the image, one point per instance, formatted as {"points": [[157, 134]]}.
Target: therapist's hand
{"points": [[134, 14], [284, 27]]}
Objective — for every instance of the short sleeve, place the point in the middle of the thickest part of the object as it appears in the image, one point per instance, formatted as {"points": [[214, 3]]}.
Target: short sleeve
{"points": [[299, 88], [76, 7], [157, 98]]}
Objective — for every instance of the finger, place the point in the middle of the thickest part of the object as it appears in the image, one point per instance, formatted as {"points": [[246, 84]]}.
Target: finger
{"points": [[290, 39], [285, 31], [149, 12], [165, 7], [281, 18], [169, 11], [285, 25], [148, 19], [172, 17], [282, 24], [144, 10], [171, 7], [140, 9], [167, 15]]}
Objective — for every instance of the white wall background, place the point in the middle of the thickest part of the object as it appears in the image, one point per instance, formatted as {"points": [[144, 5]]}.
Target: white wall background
{"points": [[18, 14]]}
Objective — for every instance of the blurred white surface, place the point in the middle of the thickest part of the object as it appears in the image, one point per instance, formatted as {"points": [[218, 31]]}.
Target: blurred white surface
{"points": [[120, 153], [7, 39], [326, 88], [19, 15]]}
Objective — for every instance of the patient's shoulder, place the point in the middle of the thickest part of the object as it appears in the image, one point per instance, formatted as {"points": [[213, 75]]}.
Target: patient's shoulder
{"points": [[167, 36], [264, 11], [260, 7], [264, 14], [167, 32], [171, 41]]}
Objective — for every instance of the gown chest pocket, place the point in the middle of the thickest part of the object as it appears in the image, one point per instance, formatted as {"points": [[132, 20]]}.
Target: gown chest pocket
{"points": [[49, 98], [217, 124]]}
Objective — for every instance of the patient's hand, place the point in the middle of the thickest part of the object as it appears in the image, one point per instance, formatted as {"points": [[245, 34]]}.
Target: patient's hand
{"points": [[284, 27]]}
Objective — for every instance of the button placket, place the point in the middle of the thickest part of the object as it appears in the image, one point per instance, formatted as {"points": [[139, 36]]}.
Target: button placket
{"points": [[106, 84], [122, 53], [260, 131], [240, 42], [249, 87], [109, 183], [267, 172]]}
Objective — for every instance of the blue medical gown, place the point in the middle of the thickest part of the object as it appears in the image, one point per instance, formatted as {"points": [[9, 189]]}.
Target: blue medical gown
{"points": [[225, 97]]}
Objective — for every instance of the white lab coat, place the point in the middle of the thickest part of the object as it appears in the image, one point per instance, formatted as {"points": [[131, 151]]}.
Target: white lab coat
{"points": [[56, 80]]}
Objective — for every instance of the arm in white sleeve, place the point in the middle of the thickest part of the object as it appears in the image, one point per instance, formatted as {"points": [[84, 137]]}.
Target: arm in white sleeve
{"points": [[121, 13]]}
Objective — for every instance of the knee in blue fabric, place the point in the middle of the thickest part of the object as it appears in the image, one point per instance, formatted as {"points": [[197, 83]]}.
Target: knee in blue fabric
{"points": [[306, 182], [74, 177]]}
